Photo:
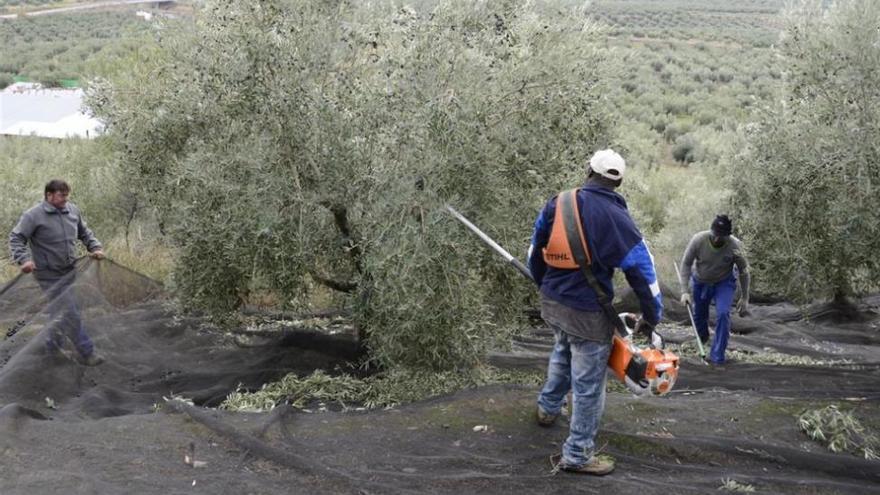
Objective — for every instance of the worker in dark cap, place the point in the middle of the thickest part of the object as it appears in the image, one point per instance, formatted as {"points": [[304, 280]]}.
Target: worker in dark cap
{"points": [[712, 263]]}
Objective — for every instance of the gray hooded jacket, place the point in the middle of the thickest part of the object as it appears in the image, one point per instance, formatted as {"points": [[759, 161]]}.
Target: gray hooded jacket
{"points": [[52, 234]]}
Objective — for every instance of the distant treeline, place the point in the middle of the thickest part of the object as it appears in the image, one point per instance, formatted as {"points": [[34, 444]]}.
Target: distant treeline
{"points": [[12, 5], [56, 48]]}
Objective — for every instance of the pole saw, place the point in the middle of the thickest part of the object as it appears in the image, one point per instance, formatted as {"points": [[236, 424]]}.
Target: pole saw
{"points": [[691, 315], [644, 371]]}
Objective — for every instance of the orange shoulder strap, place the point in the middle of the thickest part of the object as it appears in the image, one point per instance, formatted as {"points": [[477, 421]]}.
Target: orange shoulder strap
{"points": [[568, 220], [558, 252]]}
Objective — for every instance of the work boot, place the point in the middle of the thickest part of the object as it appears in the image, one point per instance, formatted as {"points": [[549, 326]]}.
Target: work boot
{"points": [[57, 355], [715, 365], [54, 355], [544, 418], [598, 465], [93, 359]]}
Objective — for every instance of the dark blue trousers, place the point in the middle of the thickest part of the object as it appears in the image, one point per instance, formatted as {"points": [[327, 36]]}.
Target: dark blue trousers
{"points": [[722, 292]]}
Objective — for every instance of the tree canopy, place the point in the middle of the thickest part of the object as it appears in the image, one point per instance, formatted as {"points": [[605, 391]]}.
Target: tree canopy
{"points": [[806, 180], [291, 144]]}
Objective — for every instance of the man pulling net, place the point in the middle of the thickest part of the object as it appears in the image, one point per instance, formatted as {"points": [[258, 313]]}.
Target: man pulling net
{"points": [[44, 243]]}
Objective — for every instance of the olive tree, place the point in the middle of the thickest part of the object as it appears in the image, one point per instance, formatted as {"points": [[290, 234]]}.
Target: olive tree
{"points": [[806, 180], [287, 145]]}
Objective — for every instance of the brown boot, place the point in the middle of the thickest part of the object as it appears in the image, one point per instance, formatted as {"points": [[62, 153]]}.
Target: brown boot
{"points": [[93, 359], [544, 418], [598, 465]]}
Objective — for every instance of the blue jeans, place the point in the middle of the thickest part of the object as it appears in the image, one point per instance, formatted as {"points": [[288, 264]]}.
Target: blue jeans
{"points": [[579, 365], [64, 314], [723, 293]]}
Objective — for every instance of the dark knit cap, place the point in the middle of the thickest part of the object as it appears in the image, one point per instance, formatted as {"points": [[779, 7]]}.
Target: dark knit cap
{"points": [[722, 225]]}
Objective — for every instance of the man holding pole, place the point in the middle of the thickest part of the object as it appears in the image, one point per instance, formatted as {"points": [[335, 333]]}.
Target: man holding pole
{"points": [[576, 297], [708, 265]]}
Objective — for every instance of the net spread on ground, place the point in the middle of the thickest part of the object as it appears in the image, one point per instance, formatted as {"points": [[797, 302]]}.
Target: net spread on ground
{"points": [[145, 420]]}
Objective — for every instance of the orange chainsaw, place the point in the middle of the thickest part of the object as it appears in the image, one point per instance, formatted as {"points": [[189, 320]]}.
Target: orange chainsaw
{"points": [[645, 371]]}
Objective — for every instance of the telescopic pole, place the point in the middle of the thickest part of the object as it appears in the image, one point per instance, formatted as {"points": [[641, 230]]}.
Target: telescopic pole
{"points": [[691, 315], [494, 245]]}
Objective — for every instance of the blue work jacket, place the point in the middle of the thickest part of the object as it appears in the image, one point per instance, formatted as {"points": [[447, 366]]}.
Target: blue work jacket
{"points": [[614, 242]]}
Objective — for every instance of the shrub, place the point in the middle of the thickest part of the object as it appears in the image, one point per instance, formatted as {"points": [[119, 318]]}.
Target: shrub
{"points": [[706, 117], [676, 105], [686, 149], [659, 123], [677, 128]]}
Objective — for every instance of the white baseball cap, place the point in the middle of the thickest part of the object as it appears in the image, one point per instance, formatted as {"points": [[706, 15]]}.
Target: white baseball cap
{"points": [[608, 164]]}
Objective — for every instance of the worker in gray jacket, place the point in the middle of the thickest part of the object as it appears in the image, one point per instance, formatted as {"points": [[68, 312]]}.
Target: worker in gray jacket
{"points": [[712, 262], [44, 243]]}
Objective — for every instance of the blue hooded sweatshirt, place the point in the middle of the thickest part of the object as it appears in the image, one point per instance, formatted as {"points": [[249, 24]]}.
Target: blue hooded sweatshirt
{"points": [[614, 242]]}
